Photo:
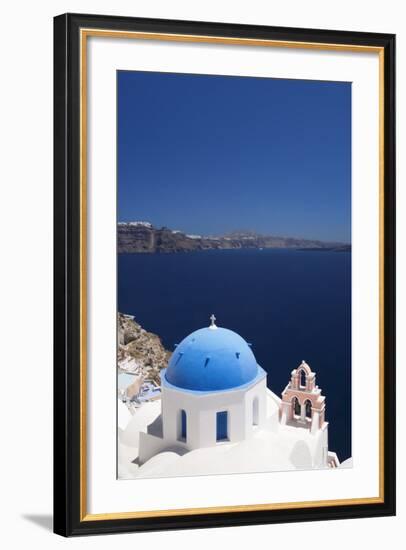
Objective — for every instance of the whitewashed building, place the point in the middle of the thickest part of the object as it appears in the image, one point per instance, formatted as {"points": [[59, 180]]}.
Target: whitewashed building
{"points": [[214, 394]]}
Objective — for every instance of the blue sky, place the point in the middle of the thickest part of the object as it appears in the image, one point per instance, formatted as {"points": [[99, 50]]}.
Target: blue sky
{"points": [[212, 154]]}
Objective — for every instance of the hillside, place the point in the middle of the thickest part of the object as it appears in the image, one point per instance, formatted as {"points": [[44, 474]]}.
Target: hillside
{"points": [[138, 350], [143, 237]]}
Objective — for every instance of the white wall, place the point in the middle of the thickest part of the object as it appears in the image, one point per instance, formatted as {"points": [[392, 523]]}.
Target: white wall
{"points": [[25, 289], [201, 415]]}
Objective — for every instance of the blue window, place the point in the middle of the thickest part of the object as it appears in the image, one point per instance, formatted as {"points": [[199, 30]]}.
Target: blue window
{"points": [[222, 425], [183, 424]]}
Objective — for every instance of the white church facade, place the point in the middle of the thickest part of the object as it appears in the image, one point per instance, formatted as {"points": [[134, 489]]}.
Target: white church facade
{"points": [[217, 415]]}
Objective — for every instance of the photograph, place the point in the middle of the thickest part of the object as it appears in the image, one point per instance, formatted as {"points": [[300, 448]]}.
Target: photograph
{"points": [[234, 308]]}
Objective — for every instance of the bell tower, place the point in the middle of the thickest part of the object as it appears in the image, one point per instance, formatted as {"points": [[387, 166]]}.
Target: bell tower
{"points": [[302, 403]]}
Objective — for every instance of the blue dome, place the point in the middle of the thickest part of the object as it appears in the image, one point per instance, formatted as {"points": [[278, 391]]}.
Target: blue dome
{"points": [[212, 359]]}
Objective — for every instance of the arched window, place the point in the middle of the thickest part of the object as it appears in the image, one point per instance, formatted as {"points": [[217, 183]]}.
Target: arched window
{"points": [[182, 426], [296, 406], [308, 408], [255, 411], [302, 378]]}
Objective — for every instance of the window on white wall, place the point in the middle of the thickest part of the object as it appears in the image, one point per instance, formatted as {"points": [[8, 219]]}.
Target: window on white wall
{"points": [[222, 426], [183, 425]]}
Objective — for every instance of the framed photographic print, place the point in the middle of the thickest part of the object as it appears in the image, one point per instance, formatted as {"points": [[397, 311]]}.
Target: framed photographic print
{"points": [[224, 274]]}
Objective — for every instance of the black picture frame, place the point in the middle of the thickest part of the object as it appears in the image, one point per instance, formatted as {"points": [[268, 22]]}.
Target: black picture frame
{"points": [[68, 519]]}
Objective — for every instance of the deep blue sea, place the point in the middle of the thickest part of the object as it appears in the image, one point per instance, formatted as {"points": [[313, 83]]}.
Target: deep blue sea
{"points": [[291, 305]]}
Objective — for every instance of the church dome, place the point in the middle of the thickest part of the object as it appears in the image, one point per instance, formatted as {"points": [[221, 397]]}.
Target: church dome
{"points": [[212, 359]]}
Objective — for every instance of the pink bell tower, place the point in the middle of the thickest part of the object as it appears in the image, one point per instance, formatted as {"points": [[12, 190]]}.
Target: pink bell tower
{"points": [[302, 403]]}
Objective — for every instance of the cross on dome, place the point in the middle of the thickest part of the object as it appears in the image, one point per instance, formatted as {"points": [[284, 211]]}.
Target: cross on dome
{"points": [[213, 324]]}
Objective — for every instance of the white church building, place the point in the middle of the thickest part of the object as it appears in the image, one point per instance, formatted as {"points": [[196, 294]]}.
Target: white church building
{"points": [[216, 415]]}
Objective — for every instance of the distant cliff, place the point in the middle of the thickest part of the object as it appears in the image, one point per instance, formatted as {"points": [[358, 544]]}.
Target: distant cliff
{"points": [[143, 237]]}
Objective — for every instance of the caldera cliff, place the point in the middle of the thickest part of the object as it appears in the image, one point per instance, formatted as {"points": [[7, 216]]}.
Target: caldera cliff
{"points": [[143, 237]]}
